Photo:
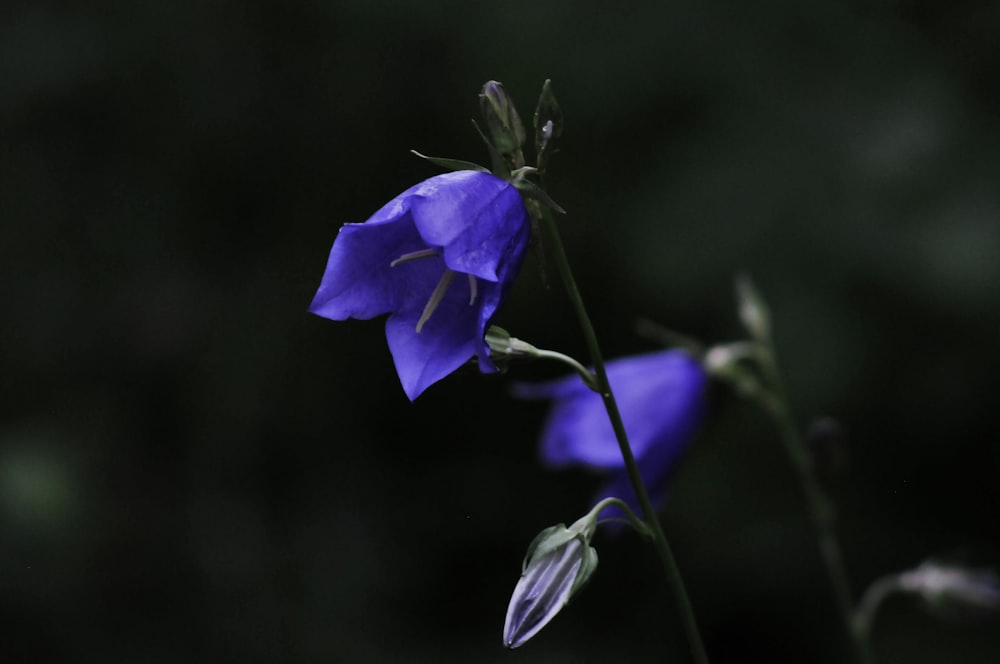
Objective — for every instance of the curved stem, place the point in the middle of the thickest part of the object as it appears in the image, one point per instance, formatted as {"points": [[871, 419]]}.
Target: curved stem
{"points": [[604, 389], [872, 600], [821, 510], [582, 371], [630, 518]]}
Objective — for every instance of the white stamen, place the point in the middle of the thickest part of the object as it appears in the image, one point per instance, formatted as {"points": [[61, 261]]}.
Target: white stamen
{"points": [[473, 290], [436, 297], [414, 256]]}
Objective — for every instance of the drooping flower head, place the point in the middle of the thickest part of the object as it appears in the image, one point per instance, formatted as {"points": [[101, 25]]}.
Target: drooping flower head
{"points": [[439, 259], [660, 396]]}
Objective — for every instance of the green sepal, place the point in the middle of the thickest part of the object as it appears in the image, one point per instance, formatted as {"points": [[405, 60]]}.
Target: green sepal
{"points": [[452, 164], [545, 541], [500, 168], [587, 568], [534, 192]]}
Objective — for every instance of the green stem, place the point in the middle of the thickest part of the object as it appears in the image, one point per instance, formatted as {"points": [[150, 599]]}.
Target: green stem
{"points": [[821, 510], [630, 518], [582, 371], [604, 389], [872, 600]]}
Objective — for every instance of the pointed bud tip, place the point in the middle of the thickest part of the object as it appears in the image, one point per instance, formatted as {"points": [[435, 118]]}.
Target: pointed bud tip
{"points": [[503, 124], [548, 119], [753, 311]]}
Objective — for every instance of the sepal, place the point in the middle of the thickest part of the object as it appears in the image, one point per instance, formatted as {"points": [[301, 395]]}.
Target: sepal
{"points": [[531, 190], [452, 164]]}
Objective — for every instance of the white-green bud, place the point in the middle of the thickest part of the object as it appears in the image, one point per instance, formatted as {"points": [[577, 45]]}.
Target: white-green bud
{"points": [[558, 564]]}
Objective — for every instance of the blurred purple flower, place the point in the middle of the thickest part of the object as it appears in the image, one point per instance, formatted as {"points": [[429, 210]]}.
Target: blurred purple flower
{"points": [[439, 258], [660, 398]]}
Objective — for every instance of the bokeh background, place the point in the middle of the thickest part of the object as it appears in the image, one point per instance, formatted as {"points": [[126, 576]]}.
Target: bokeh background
{"points": [[194, 469]]}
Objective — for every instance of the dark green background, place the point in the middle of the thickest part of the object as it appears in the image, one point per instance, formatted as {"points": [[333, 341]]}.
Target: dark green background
{"points": [[194, 469]]}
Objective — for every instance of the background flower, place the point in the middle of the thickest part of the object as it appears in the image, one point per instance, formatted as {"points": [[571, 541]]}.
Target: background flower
{"points": [[439, 259], [660, 398]]}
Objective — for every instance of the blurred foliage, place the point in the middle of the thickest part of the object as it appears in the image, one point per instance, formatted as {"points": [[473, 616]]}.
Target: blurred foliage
{"points": [[194, 469]]}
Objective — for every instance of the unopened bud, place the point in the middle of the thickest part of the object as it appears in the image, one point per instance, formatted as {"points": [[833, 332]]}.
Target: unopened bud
{"points": [[502, 345], [951, 589], [548, 119], [558, 564], [503, 124], [753, 310], [728, 363]]}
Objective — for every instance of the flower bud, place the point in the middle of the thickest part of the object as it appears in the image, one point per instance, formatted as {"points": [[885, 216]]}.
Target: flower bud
{"points": [[505, 348], [502, 345], [952, 589], [503, 124], [548, 118], [559, 562], [946, 590], [754, 314], [729, 363]]}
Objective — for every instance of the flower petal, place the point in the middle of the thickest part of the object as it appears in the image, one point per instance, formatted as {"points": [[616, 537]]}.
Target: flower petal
{"points": [[359, 281], [477, 224], [478, 219], [491, 297], [447, 340], [659, 396]]}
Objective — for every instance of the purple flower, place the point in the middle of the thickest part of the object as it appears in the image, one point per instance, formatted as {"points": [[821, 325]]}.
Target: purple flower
{"points": [[660, 398], [439, 259]]}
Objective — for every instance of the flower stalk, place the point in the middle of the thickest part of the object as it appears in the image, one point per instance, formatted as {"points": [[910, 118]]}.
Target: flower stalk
{"points": [[948, 590], [821, 513], [659, 538], [504, 346], [774, 400]]}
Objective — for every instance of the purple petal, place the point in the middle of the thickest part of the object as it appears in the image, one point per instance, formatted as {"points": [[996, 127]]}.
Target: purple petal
{"points": [[659, 396], [478, 219], [447, 340], [478, 223], [359, 282], [491, 298]]}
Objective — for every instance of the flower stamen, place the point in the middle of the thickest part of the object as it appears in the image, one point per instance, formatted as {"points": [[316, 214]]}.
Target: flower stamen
{"points": [[414, 256], [473, 290], [436, 297]]}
